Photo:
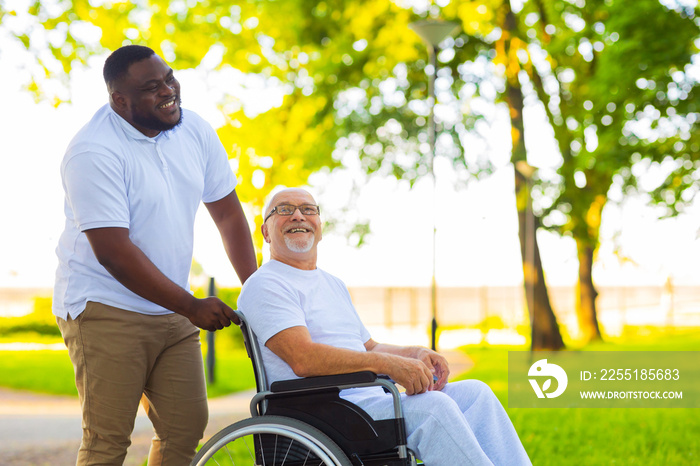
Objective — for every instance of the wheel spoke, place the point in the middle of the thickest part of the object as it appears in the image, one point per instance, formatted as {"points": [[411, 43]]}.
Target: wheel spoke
{"points": [[250, 453], [228, 452], [271, 441], [262, 450], [286, 454]]}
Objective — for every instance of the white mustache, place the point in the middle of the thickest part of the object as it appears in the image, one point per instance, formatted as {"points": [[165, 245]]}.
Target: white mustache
{"points": [[306, 226]]}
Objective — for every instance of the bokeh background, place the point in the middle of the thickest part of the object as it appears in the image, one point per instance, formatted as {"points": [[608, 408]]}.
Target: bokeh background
{"points": [[560, 191]]}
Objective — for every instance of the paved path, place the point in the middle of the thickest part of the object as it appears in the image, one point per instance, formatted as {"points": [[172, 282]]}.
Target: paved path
{"points": [[38, 430]]}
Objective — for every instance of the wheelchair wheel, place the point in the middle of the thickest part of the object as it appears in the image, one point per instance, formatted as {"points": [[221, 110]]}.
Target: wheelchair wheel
{"points": [[271, 440]]}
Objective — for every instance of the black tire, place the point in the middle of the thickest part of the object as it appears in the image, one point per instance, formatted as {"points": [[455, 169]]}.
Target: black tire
{"points": [[286, 441]]}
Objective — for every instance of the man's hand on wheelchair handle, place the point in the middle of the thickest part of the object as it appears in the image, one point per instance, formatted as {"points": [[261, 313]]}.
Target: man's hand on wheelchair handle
{"points": [[211, 314]]}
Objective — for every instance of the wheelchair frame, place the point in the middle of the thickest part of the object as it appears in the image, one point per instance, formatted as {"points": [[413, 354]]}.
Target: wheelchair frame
{"points": [[305, 421]]}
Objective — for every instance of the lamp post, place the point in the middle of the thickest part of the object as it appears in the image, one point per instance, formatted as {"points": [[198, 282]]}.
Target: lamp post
{"points": [[433, 32]]}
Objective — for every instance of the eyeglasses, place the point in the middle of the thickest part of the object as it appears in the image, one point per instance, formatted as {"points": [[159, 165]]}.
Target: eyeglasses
{"points": [[288, 209]]}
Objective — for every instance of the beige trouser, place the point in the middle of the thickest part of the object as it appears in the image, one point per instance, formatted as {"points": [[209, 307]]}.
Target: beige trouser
{"points": [[121, 357]]}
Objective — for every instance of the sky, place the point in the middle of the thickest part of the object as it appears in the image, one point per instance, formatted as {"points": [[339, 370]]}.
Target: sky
{"points": [[477, 236]]}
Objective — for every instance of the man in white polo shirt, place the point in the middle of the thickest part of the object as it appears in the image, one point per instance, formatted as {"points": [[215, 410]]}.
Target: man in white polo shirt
{"points": [[134, 177]]}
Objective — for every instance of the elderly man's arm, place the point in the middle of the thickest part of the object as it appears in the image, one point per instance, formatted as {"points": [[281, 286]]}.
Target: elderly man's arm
{"points": [[230, 219], [307, 359], [436, 362]]}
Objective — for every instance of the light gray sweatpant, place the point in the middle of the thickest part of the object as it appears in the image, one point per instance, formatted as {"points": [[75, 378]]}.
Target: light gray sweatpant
{"points": [[463, 424]]}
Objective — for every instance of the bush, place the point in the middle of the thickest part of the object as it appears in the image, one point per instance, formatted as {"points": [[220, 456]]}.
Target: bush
{"points": [[40, 321]]}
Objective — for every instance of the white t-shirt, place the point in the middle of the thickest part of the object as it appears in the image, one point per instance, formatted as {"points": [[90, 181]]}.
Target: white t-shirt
{"points": [[278, 296], [115, 176]]}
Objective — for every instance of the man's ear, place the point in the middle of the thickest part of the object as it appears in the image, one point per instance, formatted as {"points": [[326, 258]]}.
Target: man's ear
{"points": [[118, 100], [264, 231]]}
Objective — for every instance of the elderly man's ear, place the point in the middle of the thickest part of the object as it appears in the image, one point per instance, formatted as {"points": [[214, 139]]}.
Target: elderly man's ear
{"points": [[264, 232]]}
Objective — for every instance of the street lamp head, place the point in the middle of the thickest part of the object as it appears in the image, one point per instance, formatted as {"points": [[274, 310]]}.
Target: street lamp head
{"points": [[434, 31]]}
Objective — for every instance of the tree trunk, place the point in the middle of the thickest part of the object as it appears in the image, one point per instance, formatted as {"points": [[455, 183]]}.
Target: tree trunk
{"points": [[543, 322], [586, 295]]}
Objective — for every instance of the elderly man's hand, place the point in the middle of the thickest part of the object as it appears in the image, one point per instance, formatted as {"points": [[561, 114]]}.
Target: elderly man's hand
{"points": [[412, 374], [438, 366], [211, 314]]}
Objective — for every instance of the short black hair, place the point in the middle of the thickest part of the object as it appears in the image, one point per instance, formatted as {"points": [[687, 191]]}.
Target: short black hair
{"points": [[117, 64]]}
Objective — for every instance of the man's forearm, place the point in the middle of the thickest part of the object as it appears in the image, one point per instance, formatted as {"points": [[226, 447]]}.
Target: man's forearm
{"points": [[403, 351], [329, 360], [238, 244], [133, 269], [307, 359], [409, 372], [230, 219]]}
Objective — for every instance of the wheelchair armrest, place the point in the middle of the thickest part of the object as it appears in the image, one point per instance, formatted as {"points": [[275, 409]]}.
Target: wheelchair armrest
{"points": [[324, 381]]}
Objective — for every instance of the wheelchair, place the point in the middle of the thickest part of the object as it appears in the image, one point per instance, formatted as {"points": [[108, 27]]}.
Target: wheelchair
{"points": [[306, 422]]}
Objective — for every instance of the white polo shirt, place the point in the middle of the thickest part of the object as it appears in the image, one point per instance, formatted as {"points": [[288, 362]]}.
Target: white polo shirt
{"points": [[115, 176]]}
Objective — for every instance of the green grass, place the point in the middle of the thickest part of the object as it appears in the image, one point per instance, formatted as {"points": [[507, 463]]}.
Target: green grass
{"points": [[600, 436], [31, 337], [38, 371], [51, 372], [551, 436]]}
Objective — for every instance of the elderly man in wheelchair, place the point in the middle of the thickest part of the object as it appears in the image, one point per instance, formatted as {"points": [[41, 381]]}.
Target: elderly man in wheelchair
{"points": [[319, 399]]}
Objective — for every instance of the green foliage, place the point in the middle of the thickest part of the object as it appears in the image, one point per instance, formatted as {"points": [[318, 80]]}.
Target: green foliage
{"points": [[611, 102], [354, 79], [40, 321], [492, 322], [229, 296], [233, 371]]}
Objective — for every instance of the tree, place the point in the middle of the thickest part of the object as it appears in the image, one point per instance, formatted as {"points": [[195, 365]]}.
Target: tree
{"points": [[388, 113], [604, 70], [347, 80], [545, 329]]}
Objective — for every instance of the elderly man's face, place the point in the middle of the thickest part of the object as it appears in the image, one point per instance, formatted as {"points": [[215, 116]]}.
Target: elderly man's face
{"points": [[151, 96], [293, 235]]}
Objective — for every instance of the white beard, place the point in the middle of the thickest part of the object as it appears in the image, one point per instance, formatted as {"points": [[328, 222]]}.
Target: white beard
{"points": [[299, 245]]}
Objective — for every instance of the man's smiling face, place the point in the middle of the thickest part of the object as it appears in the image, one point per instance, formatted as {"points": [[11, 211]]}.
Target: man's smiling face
{"points": [[292, 237], [150, 96]]}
